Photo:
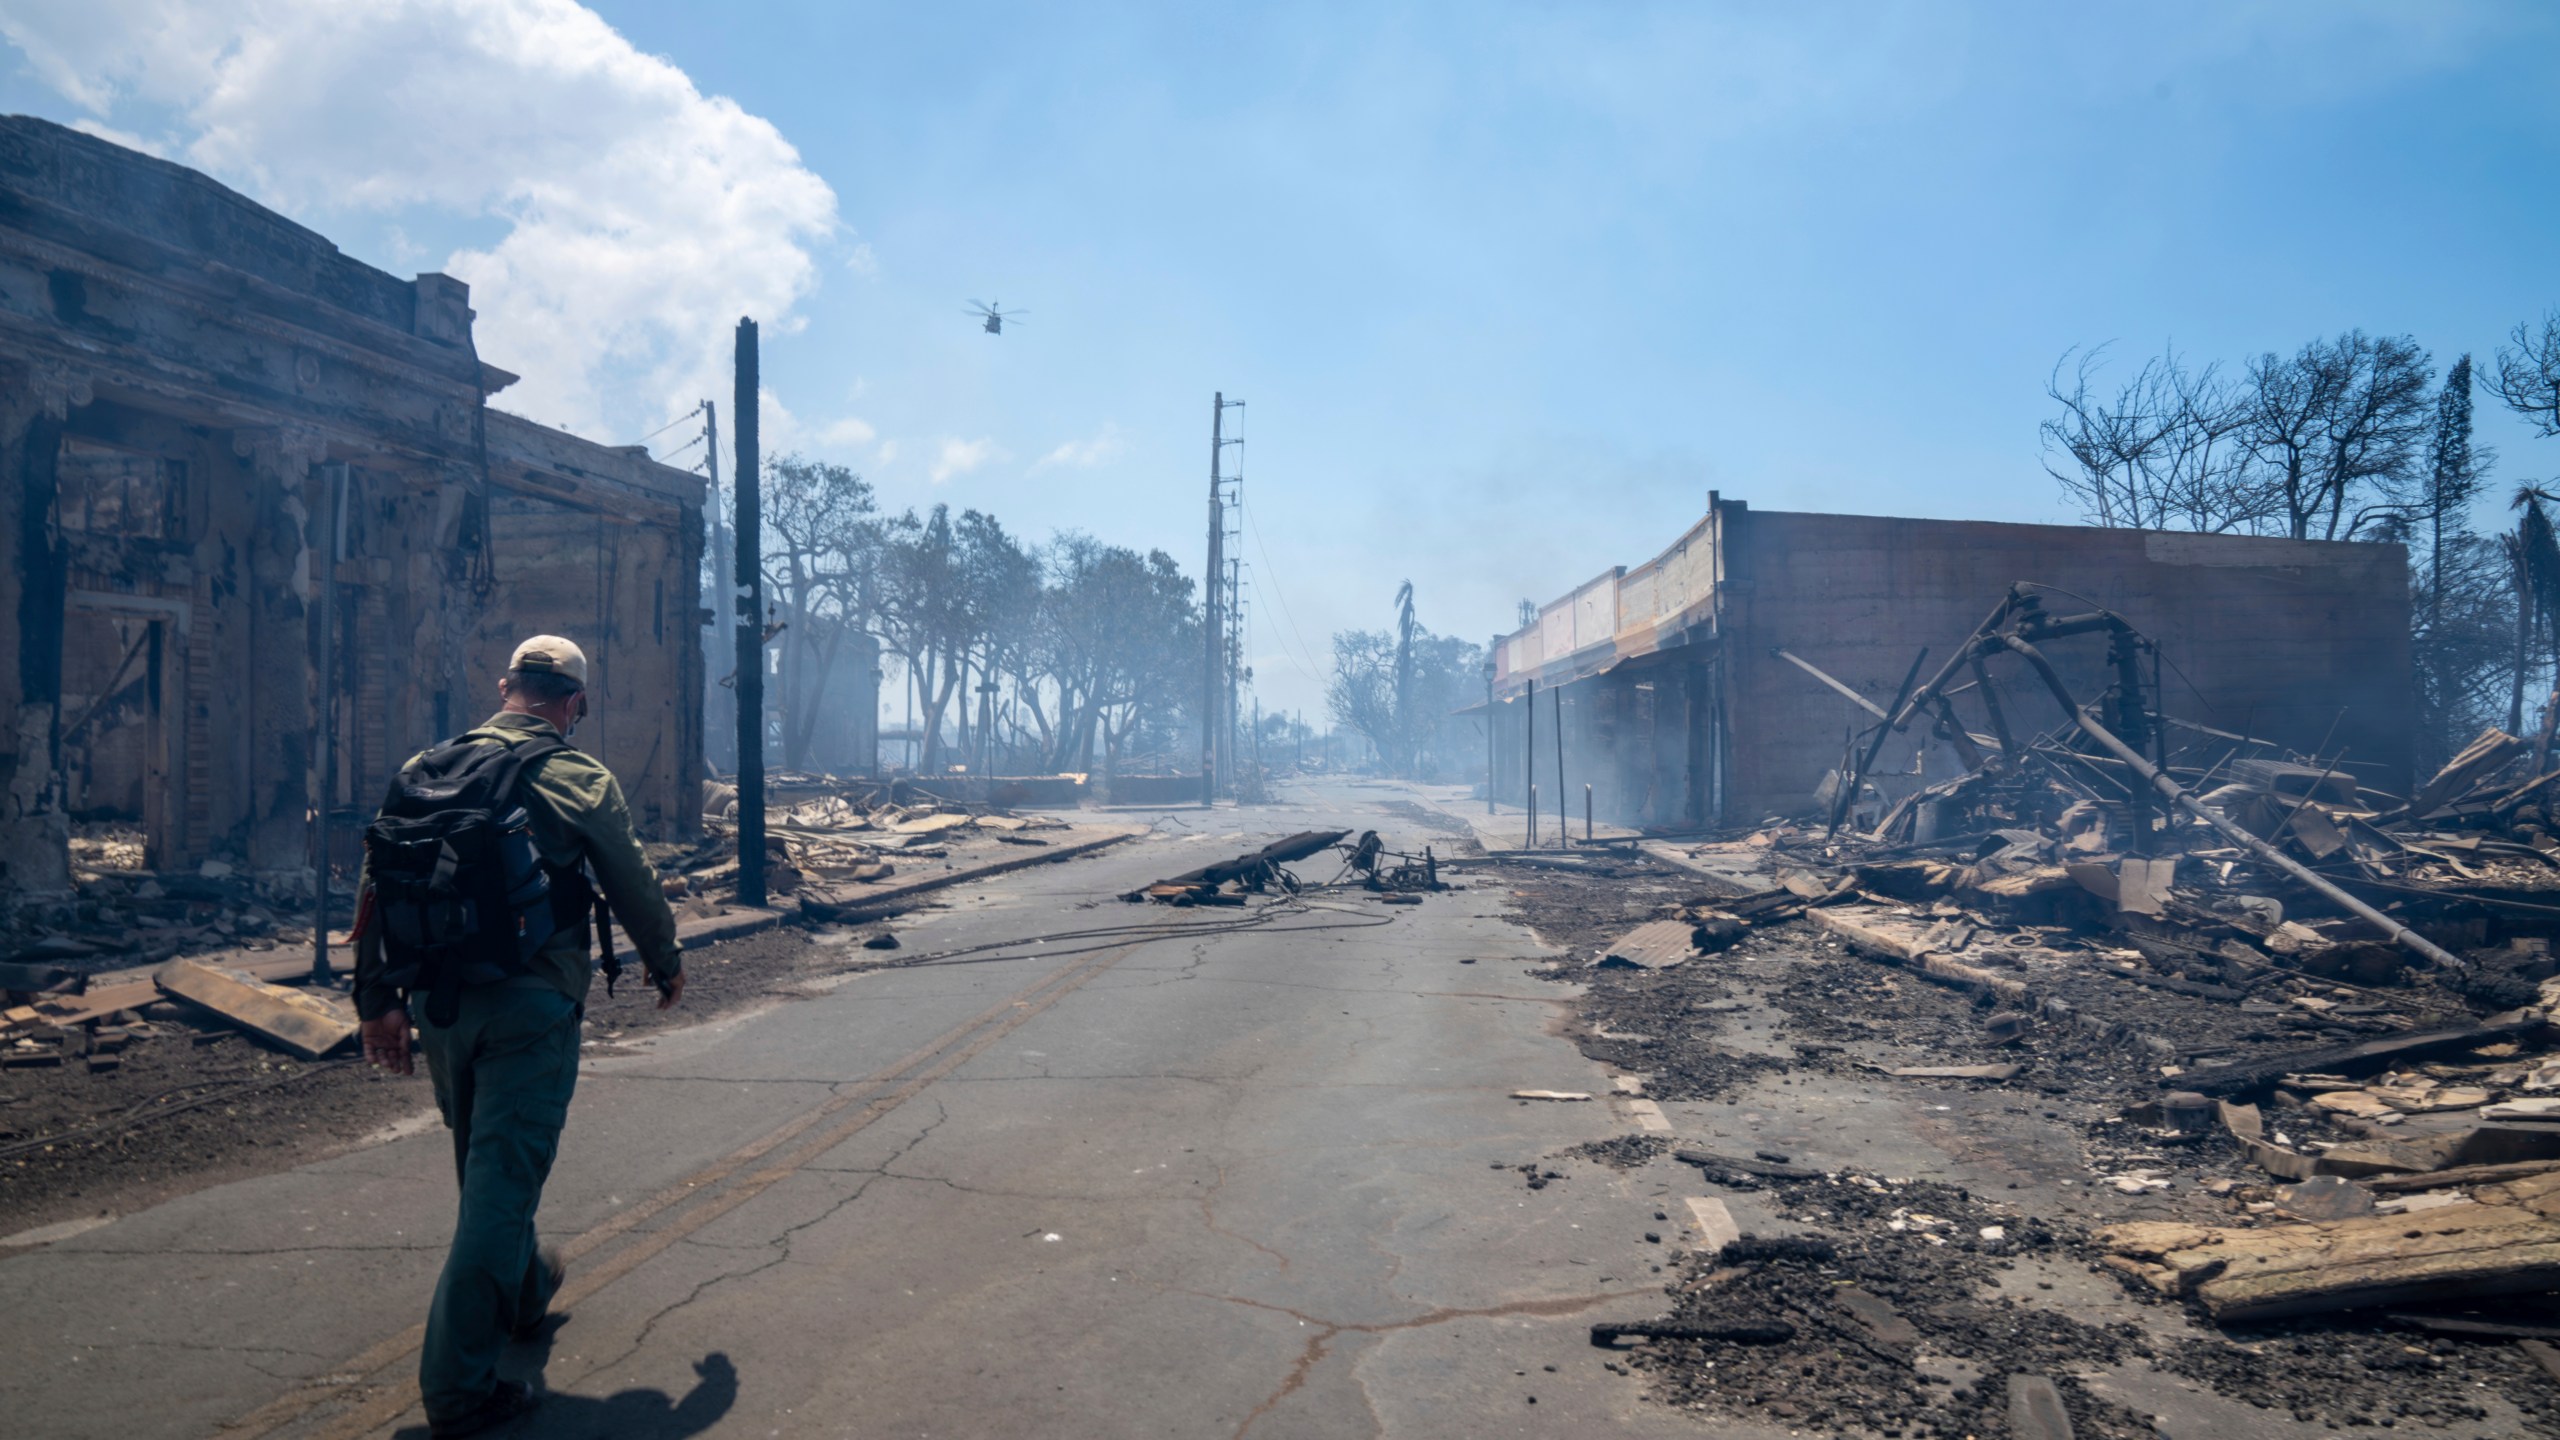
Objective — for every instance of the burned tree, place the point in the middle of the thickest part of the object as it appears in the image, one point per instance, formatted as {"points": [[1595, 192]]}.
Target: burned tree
{"points": [[2528, 378], [1397, 689], [2457, 583], [1114, 637], [2533, 569], [2460, 585], [2166, 452], [822, 542], [2334, 426], [945, 587]]}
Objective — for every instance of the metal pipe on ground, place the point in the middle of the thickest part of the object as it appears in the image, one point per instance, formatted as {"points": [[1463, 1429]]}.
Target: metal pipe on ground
{"points": [[2176, 794]]}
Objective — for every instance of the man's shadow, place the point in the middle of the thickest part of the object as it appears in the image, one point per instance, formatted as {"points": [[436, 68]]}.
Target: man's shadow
{"points": [[636, 1414]]}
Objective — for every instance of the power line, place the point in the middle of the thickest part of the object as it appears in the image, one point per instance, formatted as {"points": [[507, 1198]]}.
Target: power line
{"points": [[1305, 651], [670, 425]]}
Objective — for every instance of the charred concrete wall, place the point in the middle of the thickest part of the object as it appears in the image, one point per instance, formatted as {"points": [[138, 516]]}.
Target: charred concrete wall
{"points": [[605, 547], [1678, 711], [231, 450], [2302, 642]]}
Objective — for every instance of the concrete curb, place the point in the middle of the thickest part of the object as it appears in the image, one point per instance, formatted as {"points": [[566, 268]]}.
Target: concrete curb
{"points": [[711, 929]]}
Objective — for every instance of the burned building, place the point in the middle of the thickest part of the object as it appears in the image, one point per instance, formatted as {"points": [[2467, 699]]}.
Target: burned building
{"points": [[266, 538], [1687, 688]]}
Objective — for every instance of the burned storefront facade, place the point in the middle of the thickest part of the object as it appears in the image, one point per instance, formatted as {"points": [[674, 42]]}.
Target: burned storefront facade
{"points": [[266, 538], [1705, 687]]}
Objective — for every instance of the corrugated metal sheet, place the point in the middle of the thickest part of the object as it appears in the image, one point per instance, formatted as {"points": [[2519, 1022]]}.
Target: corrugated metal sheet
{"points": [[1656, 946]]}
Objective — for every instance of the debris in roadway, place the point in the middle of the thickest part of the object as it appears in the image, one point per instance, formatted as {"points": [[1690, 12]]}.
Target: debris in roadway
{"points": [[1653, 946], [297, 1021], [1744, 1332], [1253, 873]]}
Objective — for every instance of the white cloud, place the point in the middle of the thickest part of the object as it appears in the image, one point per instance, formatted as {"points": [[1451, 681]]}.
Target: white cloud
{"points": [[959, 457], [638, 217], [1105, 446], [849, 433]]}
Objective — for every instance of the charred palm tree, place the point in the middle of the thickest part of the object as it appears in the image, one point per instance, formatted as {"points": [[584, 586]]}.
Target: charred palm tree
{"points": [[2533, 564]]}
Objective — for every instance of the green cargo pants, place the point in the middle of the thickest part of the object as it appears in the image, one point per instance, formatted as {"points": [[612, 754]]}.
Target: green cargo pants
{"points": [[503, 1072]]}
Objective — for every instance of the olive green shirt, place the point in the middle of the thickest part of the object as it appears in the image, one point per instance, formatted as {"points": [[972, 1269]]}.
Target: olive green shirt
{"points": [[578, 815]]}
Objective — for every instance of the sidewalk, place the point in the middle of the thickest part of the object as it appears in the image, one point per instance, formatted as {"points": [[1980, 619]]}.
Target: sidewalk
{"points": [[1507, 828], [867, 901]]}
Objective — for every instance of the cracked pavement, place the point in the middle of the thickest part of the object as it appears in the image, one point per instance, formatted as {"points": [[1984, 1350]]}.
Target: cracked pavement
{"points": [[1250, 1183]]}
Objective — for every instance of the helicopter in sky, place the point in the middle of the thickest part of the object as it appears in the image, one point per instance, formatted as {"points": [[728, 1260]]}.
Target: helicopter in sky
{"points": [[994, 315]]}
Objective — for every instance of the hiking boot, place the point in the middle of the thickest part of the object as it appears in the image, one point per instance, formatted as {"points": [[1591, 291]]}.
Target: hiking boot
{"points": [[510, 1399], [550, 1270]]}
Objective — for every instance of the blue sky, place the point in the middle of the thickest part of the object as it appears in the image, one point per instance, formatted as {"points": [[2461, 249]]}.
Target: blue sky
{"points": [[1509, 287]]}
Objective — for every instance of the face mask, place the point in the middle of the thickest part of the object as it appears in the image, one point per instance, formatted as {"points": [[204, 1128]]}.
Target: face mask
{"points": [[574, 719]]}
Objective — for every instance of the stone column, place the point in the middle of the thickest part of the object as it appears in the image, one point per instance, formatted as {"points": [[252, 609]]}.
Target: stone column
{"points": [[35, 861], [282, 678]]}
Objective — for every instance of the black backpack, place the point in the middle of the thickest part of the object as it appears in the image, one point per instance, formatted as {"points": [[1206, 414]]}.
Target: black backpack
{"points": [[459, 892]]}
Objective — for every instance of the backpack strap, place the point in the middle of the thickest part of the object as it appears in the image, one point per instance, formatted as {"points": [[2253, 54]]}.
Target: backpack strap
{"points": [[502, 784]]}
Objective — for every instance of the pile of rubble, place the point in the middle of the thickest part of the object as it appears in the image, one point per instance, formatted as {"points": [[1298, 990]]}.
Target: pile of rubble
{"points": [[121, 914], [1394, 876], [820, 850], [2316, 1022]]}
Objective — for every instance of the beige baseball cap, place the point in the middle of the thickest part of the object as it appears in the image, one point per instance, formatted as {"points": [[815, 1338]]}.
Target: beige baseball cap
{"points": [[554, 654]]}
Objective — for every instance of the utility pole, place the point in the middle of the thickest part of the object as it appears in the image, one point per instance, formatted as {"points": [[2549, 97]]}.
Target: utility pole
{"points": [[1218, 617], [749, 588], [1212, 581], [722, 739], [986, 724], [1238, 675]]}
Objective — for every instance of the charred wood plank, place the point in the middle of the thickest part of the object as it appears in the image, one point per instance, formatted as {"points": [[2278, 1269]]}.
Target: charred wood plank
{"points": [[2360, 1057]]}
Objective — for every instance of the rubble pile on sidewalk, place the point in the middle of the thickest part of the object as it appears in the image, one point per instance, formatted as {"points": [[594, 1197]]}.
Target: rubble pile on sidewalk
{"points": [[820, 848], [120, 914], [2337, 938], [2275, 1051]]}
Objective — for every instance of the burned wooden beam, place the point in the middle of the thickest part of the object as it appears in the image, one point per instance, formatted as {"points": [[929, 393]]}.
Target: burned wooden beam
{"points": [[2361, 1057]]}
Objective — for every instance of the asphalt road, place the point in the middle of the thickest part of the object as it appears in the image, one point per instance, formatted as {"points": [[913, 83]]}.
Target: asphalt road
{"points": [[1224, 1173]]}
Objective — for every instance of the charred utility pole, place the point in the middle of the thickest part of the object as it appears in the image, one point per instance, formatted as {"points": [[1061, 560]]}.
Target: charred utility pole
{"points": [[1217, 679], [721, 737], [748, 587]]}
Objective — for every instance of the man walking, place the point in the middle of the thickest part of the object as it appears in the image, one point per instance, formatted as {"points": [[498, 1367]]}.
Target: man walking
{"points": [[502, 1041]]}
